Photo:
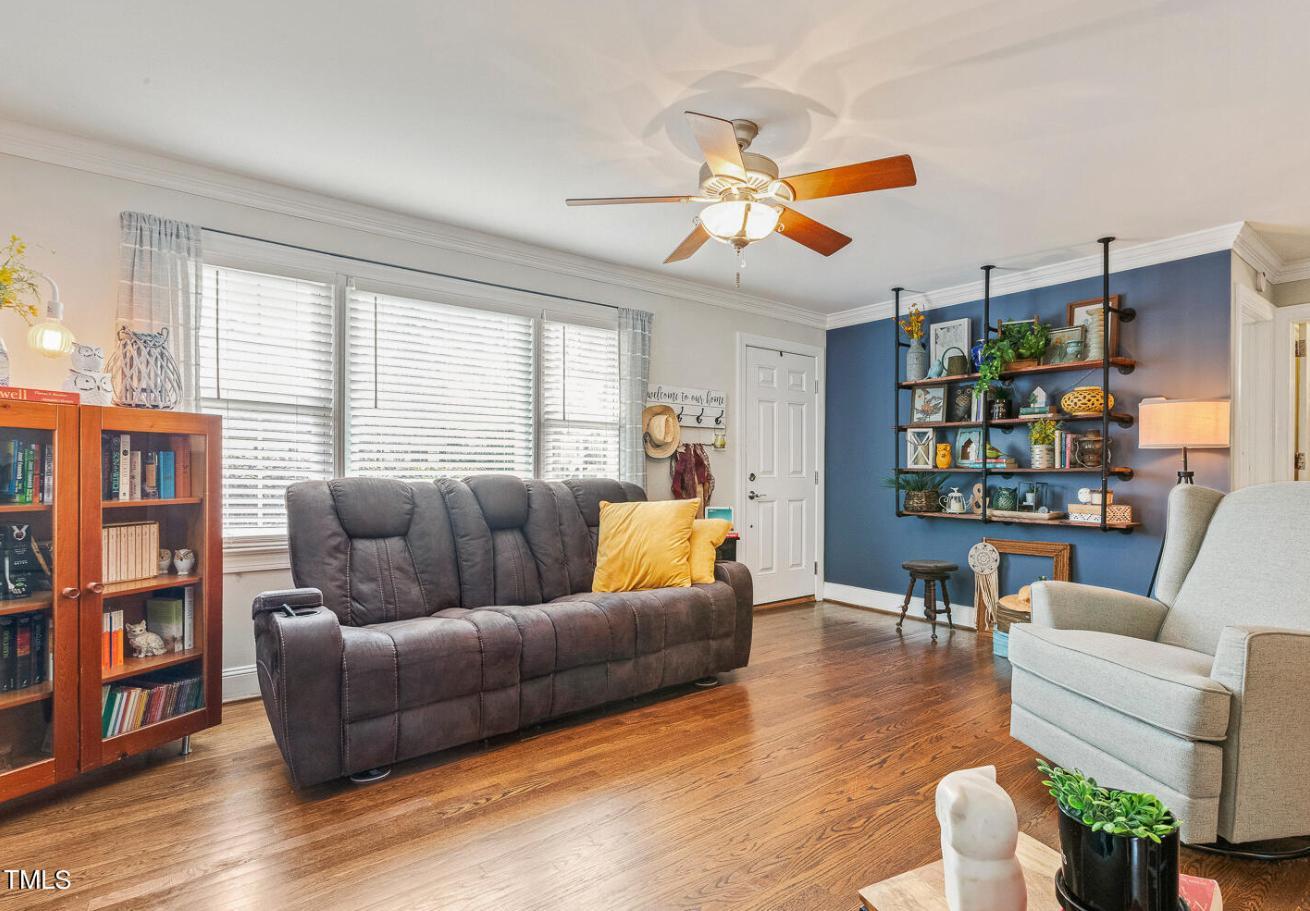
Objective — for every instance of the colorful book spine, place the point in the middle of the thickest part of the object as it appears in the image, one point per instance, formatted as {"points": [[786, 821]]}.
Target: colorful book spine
{"points": [[23, 651], [40, 645], [124, 466], [8, 665], [167, 475]]}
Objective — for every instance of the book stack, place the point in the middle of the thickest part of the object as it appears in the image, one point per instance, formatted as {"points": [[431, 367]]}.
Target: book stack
{"points": [[24, 650], [129, 551], [111, 639], [136, 474], [1064, 449], [172, 616], [128, 706], [26, 472]]}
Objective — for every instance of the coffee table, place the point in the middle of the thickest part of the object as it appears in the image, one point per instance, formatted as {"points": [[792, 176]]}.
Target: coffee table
{"points": [[924, 889]]}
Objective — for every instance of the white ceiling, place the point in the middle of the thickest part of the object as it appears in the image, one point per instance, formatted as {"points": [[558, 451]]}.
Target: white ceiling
{"points": [[1035, 125]]}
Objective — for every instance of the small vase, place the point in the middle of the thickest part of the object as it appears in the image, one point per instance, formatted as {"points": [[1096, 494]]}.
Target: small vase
{"points": [[1101, 870], [916, 361], [1043, 456]]}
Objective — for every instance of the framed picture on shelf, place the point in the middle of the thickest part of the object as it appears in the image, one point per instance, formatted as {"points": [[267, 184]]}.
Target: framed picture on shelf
{"points": [[1087, 313], [969, 447], [942, 337], [929, 404], [1068, 344], [919, 445]]}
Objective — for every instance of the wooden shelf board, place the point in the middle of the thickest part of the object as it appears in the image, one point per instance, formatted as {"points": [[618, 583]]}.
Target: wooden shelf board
{"points": [[133, 666], [38, 693], [1117, 362], [24, 605], [1062, 523], [1115, 417], [1114, 470], [25, 507], [172, 501], [154, 583]]}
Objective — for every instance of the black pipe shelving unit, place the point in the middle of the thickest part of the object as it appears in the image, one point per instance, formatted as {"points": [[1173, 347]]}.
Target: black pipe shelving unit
{"points": [[1123, 365]]}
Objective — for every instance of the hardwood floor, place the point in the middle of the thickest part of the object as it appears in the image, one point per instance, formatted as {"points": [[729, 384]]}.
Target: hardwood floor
{"points": [[803, 777]]}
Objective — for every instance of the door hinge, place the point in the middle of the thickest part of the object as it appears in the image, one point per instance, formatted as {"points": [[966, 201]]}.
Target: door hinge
{"points": [[1300, 461], [1298, 348], [816, 567], [816, 477]]}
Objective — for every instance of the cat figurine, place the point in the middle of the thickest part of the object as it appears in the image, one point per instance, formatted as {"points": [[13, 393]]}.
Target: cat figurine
{"points": [[980, 834], [87, 376], [144, 643]]}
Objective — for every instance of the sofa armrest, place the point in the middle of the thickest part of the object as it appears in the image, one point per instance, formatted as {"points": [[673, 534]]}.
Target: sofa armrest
{"points": [[1071, 605], [298, 655], [739, 578], [1266, 764]]}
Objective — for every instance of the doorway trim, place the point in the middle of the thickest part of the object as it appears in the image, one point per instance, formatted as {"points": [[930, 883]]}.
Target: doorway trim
{"points": [[738, 423], [1284, 419], [1249, 309]]}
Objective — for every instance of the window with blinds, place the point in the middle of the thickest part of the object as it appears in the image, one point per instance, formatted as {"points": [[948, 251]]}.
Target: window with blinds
{"points": [[266, 365], [580, 401], [433, 389]]}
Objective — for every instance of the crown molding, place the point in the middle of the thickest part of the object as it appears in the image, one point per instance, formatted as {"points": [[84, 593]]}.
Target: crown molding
{"points": [[93, 156], [1149, 253], [1296, 271]]}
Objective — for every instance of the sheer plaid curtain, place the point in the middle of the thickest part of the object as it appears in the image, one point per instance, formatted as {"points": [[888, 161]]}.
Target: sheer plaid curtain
{"points": [[159, 287], [634, 375]]}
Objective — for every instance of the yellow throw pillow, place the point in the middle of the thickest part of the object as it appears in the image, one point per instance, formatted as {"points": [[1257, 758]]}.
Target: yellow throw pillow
{"points": [[706, 535], [644, 545]]}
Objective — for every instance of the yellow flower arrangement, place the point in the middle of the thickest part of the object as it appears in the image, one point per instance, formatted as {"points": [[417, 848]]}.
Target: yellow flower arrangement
{"points": [[18, 291], [913, 323]]}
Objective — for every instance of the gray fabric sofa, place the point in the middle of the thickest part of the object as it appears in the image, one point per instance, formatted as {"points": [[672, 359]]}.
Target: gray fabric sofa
{"points": [[430, 615], [1200, 694]]}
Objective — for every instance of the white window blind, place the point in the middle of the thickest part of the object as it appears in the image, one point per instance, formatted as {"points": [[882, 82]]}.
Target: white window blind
{"points": [[434, 389], [266, 365], [580, 401]]}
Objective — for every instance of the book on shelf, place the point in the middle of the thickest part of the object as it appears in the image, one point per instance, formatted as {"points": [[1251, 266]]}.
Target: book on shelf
{"points": [[26, 472], [111, 640], [188, 617], [50, 396], [165, 616], [24, 650], [150, 474], [129, 551], [131, 705]]}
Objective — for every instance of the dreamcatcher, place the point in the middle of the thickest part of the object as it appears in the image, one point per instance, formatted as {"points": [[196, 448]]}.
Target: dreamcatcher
{"points": [[985, 560]]}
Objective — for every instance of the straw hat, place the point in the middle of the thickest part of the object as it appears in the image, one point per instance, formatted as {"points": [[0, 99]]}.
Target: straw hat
{"points": [[660, 431]]}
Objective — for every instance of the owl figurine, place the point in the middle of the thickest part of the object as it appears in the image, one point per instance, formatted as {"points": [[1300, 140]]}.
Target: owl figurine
{"points": [[87, 376]]}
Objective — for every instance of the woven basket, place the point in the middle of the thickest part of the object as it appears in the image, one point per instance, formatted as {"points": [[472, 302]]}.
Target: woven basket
{"points": [[1085, 400], [922, 501]]}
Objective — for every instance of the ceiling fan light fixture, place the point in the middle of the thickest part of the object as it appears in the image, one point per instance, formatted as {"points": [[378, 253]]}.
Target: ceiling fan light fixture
{"points": [[740, 221]]}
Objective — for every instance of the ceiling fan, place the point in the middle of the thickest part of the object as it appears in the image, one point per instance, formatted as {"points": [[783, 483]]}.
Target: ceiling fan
{"points": [[748, 201]]}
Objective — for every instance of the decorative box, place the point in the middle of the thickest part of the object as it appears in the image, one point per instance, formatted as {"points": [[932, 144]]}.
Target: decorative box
{"points": [[1000, 644], [1086, 512]]}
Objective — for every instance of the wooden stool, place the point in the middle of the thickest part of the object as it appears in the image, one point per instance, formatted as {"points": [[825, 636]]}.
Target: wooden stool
{"points": [[933, 573]]}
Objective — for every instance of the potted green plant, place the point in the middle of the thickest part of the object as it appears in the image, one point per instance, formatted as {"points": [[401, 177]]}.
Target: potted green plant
{"points": [[1041, 437], [922, 490], [1119, 848], [1013, 342]]}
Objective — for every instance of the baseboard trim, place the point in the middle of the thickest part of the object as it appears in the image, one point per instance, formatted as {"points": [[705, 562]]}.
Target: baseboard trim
{"points": [[890, 603], [787, 602], [240, 682]]}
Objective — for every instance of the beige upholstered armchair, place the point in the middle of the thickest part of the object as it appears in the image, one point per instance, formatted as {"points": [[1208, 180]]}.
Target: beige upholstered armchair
{"points": [[1201, 694]]}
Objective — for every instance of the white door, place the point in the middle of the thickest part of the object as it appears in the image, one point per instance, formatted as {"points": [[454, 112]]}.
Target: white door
{"points": [[782, 477]]}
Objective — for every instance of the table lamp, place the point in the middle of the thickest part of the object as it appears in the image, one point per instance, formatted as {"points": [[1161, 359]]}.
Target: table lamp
{"points": [[1182, 424]]}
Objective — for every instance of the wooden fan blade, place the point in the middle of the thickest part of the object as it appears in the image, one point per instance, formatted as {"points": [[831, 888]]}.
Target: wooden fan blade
{"points": [[689, 245], [810, 233], [883, 174], [624, 200], [718, 143]]}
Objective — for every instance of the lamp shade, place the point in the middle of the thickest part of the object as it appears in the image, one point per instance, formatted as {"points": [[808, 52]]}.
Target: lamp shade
{"points": [[1173, 424]]}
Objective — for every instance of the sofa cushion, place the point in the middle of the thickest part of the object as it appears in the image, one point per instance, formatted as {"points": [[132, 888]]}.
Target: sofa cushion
{"points": [[644, 545], [407, 663], [1163, 685], [706, 536]]}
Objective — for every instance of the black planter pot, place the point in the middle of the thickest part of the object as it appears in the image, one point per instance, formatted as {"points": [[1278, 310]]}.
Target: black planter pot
{"points": [[1106, 872]]}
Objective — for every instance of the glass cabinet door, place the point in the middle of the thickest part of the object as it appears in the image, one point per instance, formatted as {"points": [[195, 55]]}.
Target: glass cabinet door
{"points": [[38, 595]]}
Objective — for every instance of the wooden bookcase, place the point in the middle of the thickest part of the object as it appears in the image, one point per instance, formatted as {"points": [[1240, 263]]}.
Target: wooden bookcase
{"points": [[52, 730]]}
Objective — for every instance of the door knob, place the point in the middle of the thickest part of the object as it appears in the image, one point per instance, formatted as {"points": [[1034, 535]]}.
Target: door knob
{"points": [[751, 495], [72, 593], [95, 588], [752, 476]]}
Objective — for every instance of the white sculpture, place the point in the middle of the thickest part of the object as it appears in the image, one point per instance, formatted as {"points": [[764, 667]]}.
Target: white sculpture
{"points": [[980, 833], [87, 376]]}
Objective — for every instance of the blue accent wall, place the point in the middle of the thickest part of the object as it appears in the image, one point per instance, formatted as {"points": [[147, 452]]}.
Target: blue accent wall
{"points": [[1181, 342]]}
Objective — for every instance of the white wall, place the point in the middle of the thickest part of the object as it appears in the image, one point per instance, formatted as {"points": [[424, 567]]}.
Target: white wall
{"points": [[69, 216]]}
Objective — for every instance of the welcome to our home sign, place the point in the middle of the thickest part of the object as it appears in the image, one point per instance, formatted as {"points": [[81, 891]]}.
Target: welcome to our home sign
{"points": [[694, 407]]}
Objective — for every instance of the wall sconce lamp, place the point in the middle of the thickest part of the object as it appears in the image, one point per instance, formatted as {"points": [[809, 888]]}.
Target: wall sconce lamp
{"points": [[49, 336]]}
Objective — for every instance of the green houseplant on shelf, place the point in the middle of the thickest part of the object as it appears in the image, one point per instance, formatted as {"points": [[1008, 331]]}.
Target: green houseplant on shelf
{"points": [[922, 490], [1014, 342], [1120, 848], [1041, 437]]}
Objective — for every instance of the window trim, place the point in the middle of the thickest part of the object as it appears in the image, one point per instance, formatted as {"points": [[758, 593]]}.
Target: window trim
{"points": [[263, 552]]}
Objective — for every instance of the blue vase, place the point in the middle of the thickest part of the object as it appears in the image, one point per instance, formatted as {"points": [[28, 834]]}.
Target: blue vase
{"points": [[976, 354]]}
